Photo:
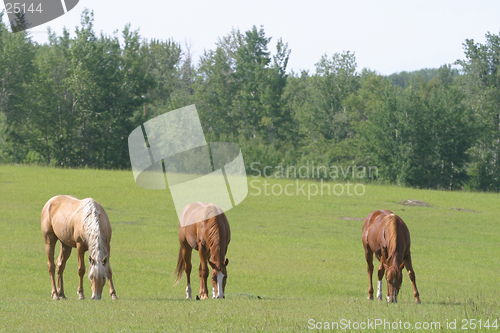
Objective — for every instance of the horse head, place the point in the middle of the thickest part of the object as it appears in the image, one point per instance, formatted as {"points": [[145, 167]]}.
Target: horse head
{"points": [[394, 278], [219, 278], [97, 276]]}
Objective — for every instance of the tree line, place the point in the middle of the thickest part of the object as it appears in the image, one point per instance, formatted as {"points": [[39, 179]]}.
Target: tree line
{"points": [[73, 101]]}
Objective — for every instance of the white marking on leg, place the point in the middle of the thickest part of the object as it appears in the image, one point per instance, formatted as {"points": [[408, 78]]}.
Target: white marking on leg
{"points": [[220, 291], [188, 291], [379, 290], [388, 299], [213, 293]]}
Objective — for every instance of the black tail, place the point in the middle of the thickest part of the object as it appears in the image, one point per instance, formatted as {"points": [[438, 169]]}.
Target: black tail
{"points": [[180, 266]]}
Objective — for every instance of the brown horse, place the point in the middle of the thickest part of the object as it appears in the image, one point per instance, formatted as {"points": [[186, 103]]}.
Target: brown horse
{"points": [[204, 227], [82, 224], [386, 235]]}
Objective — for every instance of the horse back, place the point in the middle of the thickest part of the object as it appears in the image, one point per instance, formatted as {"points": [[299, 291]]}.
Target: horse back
{"points": [[374, 230], [193, 224], [62, 216]]}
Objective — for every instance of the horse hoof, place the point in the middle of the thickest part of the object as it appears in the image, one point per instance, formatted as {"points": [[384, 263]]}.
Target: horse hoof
{"points": [[370, 298], [113, 296], [55, 297]]}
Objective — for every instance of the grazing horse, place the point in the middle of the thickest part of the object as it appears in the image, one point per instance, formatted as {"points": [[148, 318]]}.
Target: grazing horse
{"points": [[204, 227], [82, 224], [386, 235]]}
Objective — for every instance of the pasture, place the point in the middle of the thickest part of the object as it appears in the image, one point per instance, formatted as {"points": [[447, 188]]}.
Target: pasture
{"points": [[294, 262]]}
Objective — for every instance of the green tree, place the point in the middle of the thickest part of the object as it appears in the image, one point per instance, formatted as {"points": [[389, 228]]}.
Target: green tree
{"points": [[216, 88], [240, 88], [420, 136], [50, 103], [481, 82], [17, 53], [252, 59], [325, 115], [163, 60], [404, 78], [276, 120], [386, 130], [107, 85]]}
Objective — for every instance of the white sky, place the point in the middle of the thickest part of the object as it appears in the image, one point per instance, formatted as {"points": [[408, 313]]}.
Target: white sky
{"points": [[386, 35]]}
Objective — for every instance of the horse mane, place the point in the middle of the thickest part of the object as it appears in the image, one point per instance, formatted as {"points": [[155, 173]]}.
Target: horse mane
{"points": [[391, 235], [212, 233], [96, 246]]}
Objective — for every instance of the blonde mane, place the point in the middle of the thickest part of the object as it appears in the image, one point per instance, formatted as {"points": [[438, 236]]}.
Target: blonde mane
{"points": [[96, 246]]}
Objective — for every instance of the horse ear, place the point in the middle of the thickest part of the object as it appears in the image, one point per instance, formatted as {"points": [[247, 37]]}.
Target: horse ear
{"points": [[211, 264], [104, 261], [226, 262], [402, 265]]}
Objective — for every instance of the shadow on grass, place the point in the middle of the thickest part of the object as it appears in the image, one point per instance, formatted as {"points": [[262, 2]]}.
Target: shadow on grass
{"points": [[236, 296]]}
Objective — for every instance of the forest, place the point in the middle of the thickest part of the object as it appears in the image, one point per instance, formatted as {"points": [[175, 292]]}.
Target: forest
{"points": [[73, 101]]}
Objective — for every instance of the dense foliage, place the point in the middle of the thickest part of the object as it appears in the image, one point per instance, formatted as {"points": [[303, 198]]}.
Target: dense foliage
{"points": [[73, 102]]}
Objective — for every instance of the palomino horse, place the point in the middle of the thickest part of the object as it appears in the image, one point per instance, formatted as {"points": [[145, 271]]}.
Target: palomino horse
{"points": [[210, 237], [386, 235], [82, 224]]}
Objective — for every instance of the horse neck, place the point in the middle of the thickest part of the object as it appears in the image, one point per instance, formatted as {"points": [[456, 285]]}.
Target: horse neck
{"points": [[91, 224]]}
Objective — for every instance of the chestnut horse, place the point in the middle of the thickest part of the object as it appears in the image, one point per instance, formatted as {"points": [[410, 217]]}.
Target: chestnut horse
{"points": [[204, 227], [386, 235], [82, 224]]}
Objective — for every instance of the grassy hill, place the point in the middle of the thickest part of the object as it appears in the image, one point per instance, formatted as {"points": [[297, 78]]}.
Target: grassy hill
{"points": [[296, 261]]}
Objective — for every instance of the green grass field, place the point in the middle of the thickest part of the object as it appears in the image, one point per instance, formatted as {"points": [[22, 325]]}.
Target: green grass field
{"points": [[295, 262]]}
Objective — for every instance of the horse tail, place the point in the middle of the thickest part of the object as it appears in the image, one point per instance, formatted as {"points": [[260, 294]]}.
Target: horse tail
{"points": [[180, 266]]}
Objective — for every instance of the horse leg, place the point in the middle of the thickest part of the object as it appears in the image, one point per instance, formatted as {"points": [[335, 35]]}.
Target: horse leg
{"points": [[81, 269], [381, 272], [369, 261], [50, 243], [411, 273], [186, 254], [214, 289], [60, 265], [109, 273], [203, 272]]}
